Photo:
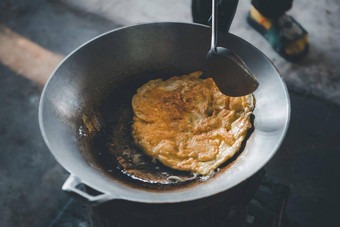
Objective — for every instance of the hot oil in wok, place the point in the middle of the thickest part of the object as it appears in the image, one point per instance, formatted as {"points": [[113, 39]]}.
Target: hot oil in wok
{"points": [[113, 149]]}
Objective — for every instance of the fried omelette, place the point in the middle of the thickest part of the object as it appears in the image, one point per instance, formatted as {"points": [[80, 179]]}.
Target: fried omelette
{"points": [[186, 123]]}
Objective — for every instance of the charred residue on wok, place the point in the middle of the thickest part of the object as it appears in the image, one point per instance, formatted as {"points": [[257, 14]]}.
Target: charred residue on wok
{"points": [[106, 134]]}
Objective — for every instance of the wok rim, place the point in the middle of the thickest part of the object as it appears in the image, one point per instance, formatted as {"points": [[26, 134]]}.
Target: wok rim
{"points": [[176, 198]]}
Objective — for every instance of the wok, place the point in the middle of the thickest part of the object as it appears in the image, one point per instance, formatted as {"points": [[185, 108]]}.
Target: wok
{"points": [[94, 80]]}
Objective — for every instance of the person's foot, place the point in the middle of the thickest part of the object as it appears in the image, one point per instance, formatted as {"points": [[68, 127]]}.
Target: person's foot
{"points": [[285, 35]]}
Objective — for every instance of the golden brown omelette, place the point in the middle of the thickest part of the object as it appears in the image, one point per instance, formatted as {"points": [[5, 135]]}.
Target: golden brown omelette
{"points": [[188, 124]]}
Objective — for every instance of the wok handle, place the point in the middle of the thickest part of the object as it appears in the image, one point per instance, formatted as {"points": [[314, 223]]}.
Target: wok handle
{"points": [[70, 186]]}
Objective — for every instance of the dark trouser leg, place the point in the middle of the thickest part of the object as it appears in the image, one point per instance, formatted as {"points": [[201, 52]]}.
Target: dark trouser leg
{"points": [[272, 8], [201, 12]]}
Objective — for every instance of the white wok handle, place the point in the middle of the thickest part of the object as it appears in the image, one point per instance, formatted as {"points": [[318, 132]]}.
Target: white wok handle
{"points": [[70, 186]]}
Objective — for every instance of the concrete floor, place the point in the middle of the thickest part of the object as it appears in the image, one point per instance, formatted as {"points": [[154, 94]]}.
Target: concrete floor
{"points": [[30, 179]]}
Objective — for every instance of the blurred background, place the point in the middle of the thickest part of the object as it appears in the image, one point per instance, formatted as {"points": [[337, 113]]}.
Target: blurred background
{"points": [[35, 35]]}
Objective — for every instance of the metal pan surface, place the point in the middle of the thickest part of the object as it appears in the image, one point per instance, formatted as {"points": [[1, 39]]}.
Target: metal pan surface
{"points": [[119, 61]]}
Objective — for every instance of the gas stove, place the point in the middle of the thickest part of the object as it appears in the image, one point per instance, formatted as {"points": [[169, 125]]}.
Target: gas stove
{"points": [[259, 201]]}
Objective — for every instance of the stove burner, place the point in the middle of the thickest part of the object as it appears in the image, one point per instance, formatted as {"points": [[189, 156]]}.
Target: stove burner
{"points": [[260, 201]]}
